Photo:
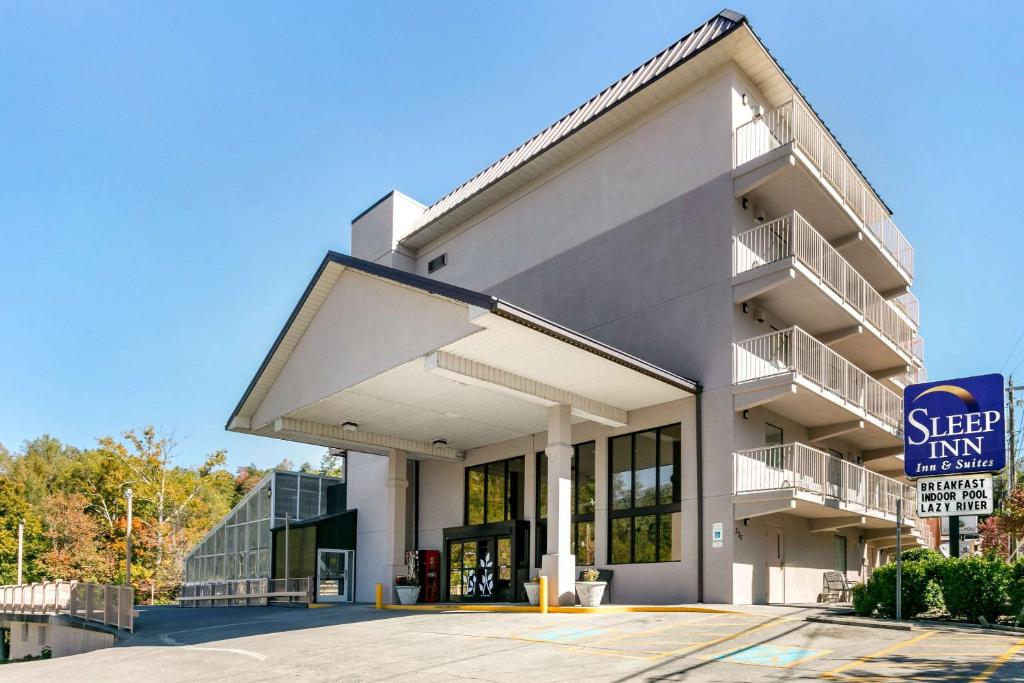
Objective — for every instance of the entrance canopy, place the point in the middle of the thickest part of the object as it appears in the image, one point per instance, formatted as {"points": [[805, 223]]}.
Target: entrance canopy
{"points": [[377, 359]]}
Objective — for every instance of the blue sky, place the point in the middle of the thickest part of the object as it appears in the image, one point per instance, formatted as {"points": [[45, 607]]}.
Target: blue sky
{"points": [[172, 173]]}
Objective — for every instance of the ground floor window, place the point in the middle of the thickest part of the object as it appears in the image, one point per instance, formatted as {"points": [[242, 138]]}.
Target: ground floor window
{"points": [[487, 563], [643, 491], [581, 503], [494, 491], [839, 553]]}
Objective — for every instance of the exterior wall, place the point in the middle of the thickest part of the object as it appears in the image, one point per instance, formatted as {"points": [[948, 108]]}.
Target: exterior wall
{"points": [[442, 499], [30, 638]]}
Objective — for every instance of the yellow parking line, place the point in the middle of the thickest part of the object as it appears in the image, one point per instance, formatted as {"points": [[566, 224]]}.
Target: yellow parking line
{"points": [[884, 651], [994, 666], [730, 636]]}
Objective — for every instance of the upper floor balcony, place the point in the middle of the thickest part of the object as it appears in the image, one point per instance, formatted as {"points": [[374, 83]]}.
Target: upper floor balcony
{"points": [[804, 380], [786, 266], [801, 480], [786, 160]]}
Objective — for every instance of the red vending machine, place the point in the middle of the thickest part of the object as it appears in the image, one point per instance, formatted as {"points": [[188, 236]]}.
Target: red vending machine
{"points": [[430, 575]]}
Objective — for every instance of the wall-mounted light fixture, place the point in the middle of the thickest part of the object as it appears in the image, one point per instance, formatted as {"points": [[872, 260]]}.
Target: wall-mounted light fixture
{"points": [[746, 414]]}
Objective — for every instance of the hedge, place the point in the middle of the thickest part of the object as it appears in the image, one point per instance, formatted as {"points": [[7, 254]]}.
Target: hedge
{"points": [[967, 587]]}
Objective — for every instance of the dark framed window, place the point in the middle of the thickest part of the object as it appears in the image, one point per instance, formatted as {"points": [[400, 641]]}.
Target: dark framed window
{"points": [[494, 491], [773, 436], [644, 516], [582, 500], [839, 553]]}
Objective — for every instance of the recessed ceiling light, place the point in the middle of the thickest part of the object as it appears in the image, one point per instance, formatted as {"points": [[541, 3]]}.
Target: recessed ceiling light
{"points": [[350, 426]]}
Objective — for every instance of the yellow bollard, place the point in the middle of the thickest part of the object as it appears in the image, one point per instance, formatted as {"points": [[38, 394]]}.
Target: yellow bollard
{"points": [[380, 596], [543, 595]]}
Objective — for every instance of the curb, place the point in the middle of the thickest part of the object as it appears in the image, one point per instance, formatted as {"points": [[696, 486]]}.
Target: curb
{"points": [[840, 621]]}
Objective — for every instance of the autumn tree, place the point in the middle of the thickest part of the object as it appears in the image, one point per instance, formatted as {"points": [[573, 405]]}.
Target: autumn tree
{"points": [[74, 539]]}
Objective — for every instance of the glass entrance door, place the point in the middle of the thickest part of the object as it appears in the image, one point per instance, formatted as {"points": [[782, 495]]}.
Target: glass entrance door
{"points": [[334, 575], [480, 569]]}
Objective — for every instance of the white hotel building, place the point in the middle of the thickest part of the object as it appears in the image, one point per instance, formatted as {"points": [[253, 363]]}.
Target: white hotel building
{"points": [[667, 336]]}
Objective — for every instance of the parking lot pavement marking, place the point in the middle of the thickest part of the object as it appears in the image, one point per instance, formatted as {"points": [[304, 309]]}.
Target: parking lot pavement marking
{"points": [[777, 656], [837, 673], [999, 662], [724, 638], [568, 633]]}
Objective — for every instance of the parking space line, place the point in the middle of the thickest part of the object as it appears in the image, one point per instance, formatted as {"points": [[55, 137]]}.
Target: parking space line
{"points": [[1002, 659], [723, 639], [837, 672]]}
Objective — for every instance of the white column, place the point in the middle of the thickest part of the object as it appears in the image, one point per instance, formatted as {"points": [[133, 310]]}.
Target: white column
{"points": [[395, 552], [559, 564]]}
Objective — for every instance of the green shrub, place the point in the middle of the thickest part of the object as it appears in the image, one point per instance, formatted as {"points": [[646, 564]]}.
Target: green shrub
{"points": [[1016, 588], [864, 601], [920, 589], [917, 554], [976, 586]]}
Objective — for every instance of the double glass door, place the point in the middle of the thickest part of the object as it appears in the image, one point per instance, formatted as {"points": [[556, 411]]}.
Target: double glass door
{"points": [[334, 571], [480, 569]]}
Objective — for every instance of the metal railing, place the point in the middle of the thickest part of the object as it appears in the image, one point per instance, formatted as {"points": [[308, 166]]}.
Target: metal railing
{"points": [[246, 592], [793, 122], [793, 236], [793, 350], [801, 467], [908, 303], [102, 603]]}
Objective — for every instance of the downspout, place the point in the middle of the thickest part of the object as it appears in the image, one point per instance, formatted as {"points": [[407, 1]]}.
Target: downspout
{"points": [[416, 506], [700, 498]]}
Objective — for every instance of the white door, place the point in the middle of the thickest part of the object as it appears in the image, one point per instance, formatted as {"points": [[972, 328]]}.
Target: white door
{"points": [[334, 572], [776, 560]]}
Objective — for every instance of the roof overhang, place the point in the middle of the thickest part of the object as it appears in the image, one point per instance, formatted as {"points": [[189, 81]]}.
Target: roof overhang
{"points": [[725, 38], [376, 359]]}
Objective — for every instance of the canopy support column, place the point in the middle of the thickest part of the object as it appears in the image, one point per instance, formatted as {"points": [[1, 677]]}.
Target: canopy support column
{"points": [[396, 485], [559, 564]]}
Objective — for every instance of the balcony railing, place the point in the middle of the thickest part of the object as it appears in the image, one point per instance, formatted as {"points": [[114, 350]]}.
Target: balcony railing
{"points": [[798, 466], [792, 236], [907, 303], [793, 350], [793, 122]]}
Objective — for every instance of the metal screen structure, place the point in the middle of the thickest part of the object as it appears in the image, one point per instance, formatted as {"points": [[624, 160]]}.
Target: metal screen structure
{"points": [[238, 547]]}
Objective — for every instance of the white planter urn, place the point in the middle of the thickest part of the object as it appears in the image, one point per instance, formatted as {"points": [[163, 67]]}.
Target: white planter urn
{"points": [[532, 592], [590, 592], [408, 595]]}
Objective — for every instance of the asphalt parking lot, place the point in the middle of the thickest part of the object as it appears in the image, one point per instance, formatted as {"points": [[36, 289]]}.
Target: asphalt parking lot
{"points": [[360, 643]]}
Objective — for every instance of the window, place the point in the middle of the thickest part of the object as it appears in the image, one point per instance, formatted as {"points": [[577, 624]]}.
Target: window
{"points": [[643, 489], [437, 263], [773, 439], [773, 436], [839, 553], [494, 491], [581, 503]]}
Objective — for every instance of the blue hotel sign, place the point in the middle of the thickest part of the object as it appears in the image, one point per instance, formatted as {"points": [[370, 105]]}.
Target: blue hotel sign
{"points": [[954, 427]]}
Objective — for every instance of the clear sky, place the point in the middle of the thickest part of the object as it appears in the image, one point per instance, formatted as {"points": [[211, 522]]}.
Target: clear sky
{"points": [[171, 174]]}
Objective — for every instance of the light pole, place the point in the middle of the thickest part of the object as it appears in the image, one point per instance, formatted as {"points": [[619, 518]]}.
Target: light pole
{"points": [[21, 546], [287, 519], [128, 540]]}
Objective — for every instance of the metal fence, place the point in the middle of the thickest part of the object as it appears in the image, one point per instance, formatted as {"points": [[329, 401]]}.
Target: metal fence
{"points": [[793, 122], [807, 469], [793, 350], [101, 603], [792, 236], [246, 592]]}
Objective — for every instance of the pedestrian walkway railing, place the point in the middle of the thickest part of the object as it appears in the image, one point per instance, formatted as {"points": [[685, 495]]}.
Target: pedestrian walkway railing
{"points": [[247, 592], [101, 603]]}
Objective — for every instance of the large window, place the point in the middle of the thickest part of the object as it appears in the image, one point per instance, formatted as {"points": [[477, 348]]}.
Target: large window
{"points": [[581, 503], [643, 493], [494, 491]]}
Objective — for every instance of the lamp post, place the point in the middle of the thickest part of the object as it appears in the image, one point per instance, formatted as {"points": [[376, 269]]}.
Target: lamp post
{"points": [[21, 546], [128, 540], [287, 519]]}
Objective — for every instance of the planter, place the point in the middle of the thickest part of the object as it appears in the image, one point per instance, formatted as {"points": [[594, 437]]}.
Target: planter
{"points": [[408, 595], [532, 592], [590, 592]]}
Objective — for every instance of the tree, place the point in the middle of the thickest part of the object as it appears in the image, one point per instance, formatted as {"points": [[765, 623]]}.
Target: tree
{"points": [[167, 497], [13, 509], [74, 539], [332, 464]]}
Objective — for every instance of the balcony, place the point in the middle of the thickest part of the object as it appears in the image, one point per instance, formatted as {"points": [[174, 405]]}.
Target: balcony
{"points": [[804, 380], [800, 480], [786, 159], [786, 266]]}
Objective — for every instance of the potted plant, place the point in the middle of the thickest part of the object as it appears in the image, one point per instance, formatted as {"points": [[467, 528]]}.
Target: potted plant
{"points": [[532, 588], [408, 588], [590, 589]]}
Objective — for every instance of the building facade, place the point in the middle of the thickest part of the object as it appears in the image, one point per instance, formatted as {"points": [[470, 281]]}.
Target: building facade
{"points": [[666, 337]]}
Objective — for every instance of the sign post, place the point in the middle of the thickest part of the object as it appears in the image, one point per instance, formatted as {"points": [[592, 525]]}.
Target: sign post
{"points": [[899, 559], [954, 533]]}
